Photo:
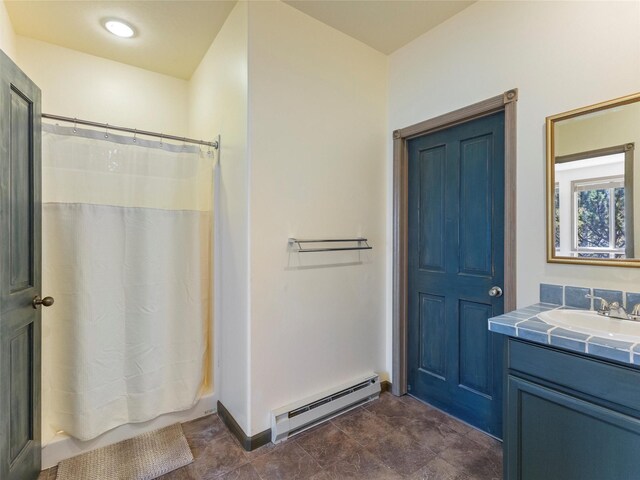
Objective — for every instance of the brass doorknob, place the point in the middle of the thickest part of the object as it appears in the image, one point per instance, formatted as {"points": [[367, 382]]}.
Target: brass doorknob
{"points": [[45, 302]]}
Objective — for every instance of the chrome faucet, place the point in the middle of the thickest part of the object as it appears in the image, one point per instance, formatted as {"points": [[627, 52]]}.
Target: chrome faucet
{"points": [[604, 305], [615, 310]]}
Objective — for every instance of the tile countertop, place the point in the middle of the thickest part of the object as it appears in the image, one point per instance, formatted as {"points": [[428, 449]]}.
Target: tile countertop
{"points": [[524, 323]]}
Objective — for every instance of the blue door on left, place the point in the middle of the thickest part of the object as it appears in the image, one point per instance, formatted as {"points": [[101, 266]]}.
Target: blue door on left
{"points": [[456, 258]]}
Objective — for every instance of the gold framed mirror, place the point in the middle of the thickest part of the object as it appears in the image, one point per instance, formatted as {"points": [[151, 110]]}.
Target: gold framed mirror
{"points": [[593, 216]]}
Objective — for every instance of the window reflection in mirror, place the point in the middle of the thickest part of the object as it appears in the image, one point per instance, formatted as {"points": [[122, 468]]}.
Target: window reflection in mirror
{"points": [[589, 195]]}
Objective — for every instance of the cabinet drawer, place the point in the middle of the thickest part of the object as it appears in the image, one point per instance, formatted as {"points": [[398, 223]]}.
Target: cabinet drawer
{"points": [[613, 383]]}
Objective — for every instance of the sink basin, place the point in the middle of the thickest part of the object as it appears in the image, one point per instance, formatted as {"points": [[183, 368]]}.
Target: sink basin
{"points": [[590, 323]]}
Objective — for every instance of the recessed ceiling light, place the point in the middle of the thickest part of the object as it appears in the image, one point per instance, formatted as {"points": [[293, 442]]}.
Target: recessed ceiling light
{"points": [[119, 28]]}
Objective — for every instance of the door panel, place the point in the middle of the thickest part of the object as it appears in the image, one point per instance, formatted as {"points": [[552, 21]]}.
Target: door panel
{"points": [[475, 368], [432, 328], [21, 194], [432, 243], [476, 191], [20, 273], [455, 255], [21, 392]]}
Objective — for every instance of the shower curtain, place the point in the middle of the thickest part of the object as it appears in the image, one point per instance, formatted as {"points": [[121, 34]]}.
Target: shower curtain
{"points": [[127, 257]]}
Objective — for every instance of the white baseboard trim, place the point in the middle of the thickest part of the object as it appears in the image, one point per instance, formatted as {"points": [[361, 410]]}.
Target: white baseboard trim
{"points": [[64, 446]]}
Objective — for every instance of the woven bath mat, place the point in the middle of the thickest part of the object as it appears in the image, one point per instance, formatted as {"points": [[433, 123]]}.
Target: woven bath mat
{"points": [[144, 457]]}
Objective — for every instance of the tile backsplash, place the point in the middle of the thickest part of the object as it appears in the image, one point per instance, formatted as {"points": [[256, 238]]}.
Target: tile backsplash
{"points": [[575, 297], [551, 294], [632, 299], [609, 295], [571, 296]]}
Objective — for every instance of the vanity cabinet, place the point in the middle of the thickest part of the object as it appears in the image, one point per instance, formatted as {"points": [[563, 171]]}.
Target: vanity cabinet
{"points": [[569, 416]]}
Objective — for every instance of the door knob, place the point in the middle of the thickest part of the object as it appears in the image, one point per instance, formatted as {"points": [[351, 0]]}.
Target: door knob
{"points": [[495, 292], [45, 302]]}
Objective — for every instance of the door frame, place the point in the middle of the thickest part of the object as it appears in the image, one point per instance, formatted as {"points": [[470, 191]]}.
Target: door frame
{"points": [[505, 102]]}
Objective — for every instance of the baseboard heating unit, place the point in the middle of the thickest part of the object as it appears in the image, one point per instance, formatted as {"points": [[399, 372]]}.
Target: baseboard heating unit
{"points": [[309, 412]]}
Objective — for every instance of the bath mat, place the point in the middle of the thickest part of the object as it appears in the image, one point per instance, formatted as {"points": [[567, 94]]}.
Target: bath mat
{"points": [[144, 457]]}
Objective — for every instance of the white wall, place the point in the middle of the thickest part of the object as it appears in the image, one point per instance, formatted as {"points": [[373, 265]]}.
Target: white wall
{"points": [[317, 144], [7, 35], [218, 104], [560, 55], [76, 84]]}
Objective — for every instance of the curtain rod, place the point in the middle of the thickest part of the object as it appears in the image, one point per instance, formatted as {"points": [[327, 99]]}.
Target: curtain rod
{"points": [[215, 144]]}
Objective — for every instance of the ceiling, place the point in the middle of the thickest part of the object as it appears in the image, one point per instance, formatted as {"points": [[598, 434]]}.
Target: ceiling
{"points": [[172, 36], [385, 25]]}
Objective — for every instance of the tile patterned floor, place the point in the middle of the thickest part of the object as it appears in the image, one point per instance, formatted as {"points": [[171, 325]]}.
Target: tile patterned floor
{"points": [[391, 438]]}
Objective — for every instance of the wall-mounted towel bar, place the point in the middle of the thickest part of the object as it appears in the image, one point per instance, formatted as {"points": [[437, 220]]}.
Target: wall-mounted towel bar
{"points": [[361, 244]]}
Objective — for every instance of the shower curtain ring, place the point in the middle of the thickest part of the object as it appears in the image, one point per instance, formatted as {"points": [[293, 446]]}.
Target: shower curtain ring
{"points": [[208, 148], [106, 131], [161, 139], [75, 122], [135, 133]]}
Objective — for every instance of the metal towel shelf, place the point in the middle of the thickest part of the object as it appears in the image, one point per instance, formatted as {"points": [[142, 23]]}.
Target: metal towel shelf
{"points": [[362, 244]]}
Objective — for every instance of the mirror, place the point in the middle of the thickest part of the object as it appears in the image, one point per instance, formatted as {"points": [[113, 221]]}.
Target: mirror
{"points": [[593, 216]]}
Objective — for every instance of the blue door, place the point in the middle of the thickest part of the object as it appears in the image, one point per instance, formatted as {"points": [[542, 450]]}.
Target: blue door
{"points": [[456, 243], [20, 274]]}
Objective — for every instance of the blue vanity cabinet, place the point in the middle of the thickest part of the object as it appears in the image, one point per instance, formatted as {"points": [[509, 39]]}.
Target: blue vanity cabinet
{"points": [[569, 416]]}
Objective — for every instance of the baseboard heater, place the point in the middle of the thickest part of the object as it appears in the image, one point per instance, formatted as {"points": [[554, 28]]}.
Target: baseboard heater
{"points": [[304, 414]]}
